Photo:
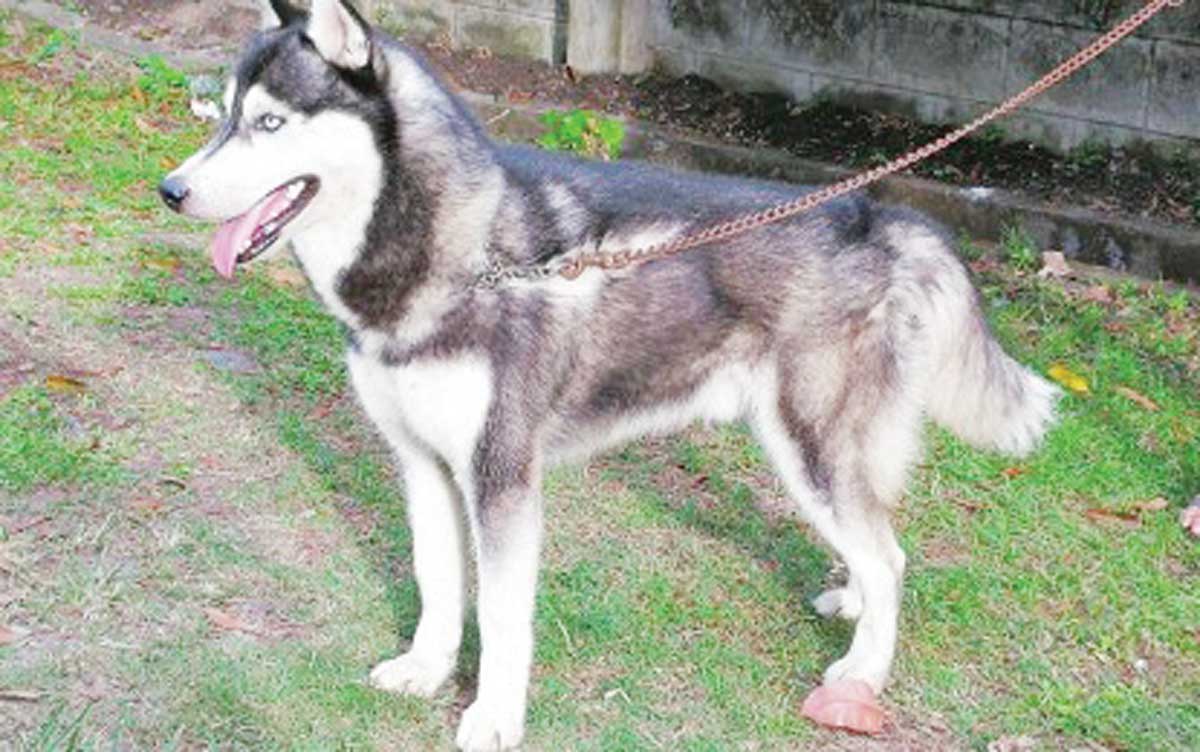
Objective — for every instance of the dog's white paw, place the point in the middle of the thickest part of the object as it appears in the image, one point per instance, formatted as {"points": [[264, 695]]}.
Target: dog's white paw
{"points": [[412, 674], [491, 727], [844, 602], [851, 667]]}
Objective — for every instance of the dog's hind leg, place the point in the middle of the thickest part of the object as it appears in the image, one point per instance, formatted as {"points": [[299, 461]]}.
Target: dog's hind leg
{"points": [[507, 527], [863, 538], [438, 528], [844, 490]]}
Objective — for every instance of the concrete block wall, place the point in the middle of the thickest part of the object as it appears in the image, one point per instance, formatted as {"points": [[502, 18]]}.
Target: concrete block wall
{"points": [[528, 28], [949, 60]]}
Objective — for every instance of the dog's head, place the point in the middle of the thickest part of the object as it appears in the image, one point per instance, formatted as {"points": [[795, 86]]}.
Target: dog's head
{"points": [[306, 122]]}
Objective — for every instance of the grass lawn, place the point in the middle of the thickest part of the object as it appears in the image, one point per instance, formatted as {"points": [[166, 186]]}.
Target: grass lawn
{"points": [[202, 545]]}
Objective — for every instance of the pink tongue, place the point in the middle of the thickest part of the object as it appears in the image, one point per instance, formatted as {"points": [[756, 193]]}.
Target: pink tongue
{"points": [[232, 235]]}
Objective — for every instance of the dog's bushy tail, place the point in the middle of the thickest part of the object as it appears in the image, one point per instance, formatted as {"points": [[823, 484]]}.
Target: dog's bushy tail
{"points": [[974, 388]]}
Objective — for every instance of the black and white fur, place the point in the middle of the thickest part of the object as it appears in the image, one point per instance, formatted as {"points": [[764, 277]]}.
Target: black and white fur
{"points": [[832, 335]]}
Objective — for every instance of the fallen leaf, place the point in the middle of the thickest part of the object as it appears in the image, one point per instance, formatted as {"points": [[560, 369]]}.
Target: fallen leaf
{"points": [[147, 505], [287, 276], [1138, 397], [1152, 505], [65, 384], [1013, 472], [162, 263], [1101, 294], [1069, 379], [848, 705], [1126, 519], [1054, 264], [229, 622]]}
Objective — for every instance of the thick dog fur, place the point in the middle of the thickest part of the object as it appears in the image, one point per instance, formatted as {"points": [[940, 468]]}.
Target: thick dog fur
{"points": [[832, 335]]}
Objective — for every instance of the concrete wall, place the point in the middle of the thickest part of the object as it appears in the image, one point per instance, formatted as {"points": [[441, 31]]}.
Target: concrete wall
{"points": [[528, 28], [947, 60], [938, 60]]}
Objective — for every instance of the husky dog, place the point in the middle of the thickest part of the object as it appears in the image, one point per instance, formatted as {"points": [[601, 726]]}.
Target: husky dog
{"points": [[831, 334]]}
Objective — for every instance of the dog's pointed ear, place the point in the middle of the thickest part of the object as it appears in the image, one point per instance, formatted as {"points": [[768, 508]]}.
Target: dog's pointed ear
{"points": [[340, 34], [276, 13]]}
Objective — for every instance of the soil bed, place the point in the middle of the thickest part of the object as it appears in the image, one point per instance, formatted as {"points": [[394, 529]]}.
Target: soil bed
{"points": [[180, 24]]}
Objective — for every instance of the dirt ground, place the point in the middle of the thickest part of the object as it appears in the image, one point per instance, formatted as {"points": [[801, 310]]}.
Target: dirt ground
{"points": [[1132, 181], [185, 24]]}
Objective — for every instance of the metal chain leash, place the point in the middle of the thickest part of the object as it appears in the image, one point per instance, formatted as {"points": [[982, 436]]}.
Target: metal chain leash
{"points": [[572, 267]]}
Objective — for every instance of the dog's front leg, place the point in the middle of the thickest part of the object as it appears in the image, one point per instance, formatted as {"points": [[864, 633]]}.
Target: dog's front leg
{"points": [[436, 517], [507, 527]]}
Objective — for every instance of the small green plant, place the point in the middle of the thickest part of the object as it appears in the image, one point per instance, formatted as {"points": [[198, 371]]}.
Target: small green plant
{"points": [[968, 248], [1020, 249], [158, 78], [55, 41], [1090, 155], [583, 132], [1179, 302], [992, 135]]}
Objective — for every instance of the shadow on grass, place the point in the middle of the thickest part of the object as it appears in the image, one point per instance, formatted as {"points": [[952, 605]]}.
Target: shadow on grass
{"points": [[780, 548]]}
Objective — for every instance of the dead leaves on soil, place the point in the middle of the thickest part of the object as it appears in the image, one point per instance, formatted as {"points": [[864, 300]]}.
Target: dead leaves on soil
{"points": [[1100, 294]]}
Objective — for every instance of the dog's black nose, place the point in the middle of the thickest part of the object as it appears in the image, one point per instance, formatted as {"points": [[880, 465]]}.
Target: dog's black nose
{"points": [[173, 192]]}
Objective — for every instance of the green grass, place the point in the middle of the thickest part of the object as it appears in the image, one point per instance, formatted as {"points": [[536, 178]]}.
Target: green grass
{"points": [[672, 613], [1020, 250], [37, 449]]}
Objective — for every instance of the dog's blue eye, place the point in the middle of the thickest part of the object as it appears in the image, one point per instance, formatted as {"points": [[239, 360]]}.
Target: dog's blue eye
{"points": [[269, 123]]}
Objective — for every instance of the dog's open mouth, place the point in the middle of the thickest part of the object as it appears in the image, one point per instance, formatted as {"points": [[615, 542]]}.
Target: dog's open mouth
{"points": [[247, 236]]}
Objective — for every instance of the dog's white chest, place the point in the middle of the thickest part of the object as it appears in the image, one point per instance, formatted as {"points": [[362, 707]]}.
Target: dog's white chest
{"points": [[442, 404]]}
